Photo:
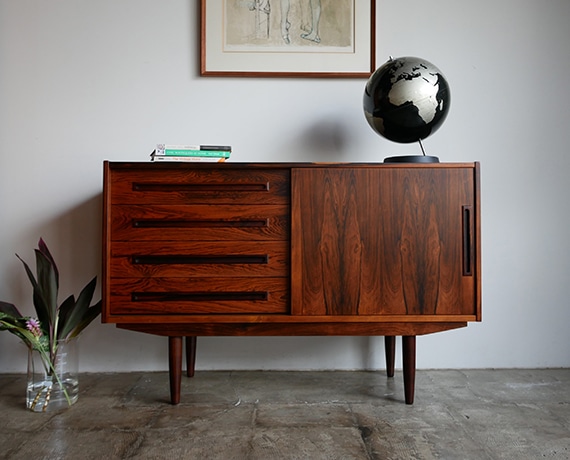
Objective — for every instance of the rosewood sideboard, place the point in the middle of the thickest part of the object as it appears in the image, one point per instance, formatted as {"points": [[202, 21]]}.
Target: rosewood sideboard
{"points": [[291, 249]]}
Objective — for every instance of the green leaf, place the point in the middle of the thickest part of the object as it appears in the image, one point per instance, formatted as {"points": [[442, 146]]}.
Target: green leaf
{"points": [[41, 311], [81, 308], [7, 321], [40, 305], [9, 309], [89, 316], [65, 311], [45, 251], [16, 326], [29, 272], [48, 283], [63, 322]]}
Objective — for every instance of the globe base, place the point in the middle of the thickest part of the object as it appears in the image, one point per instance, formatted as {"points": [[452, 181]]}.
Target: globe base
{"points": [[412, 159]]}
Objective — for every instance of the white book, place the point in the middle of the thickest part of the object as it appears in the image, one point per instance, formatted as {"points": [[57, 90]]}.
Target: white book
{"points": [[189, 159]]}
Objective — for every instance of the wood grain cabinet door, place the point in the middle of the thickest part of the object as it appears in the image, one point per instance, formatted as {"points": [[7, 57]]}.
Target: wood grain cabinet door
{"points": [[384, 241]]}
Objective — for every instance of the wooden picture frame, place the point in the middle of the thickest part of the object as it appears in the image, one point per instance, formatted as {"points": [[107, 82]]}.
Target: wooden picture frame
{"points": [[264, 38]]}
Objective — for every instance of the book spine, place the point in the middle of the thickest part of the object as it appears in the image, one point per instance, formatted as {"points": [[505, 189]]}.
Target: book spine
{"points": [[166, 147], [189, 159], [223, 148], [194, 153]]}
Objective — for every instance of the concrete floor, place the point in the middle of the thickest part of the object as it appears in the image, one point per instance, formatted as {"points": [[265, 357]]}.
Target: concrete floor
{"points": [[457, 414]]}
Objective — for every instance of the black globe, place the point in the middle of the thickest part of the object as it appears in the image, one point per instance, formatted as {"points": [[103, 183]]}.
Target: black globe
{"points": [[406, 99]]}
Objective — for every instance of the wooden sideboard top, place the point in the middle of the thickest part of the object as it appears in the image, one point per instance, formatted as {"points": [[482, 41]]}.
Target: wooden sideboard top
{"points": [[241, 165]]}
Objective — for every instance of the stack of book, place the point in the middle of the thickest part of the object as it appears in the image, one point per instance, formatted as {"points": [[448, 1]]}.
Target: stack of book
{"points": [[209, 153]]}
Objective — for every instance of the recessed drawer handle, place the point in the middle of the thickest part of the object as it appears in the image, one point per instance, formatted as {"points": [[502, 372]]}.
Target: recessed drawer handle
{"points": [[183, 223], [197, 296], [146, 187], [201, 259]]}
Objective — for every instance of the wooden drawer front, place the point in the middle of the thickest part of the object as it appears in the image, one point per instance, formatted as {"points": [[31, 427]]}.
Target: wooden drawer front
{"points": [[200, 185], [199, 222], [203, 259], [187, 296]]}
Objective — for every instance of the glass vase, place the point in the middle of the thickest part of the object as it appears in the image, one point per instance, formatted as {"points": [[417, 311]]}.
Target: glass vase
{"points": [[53, 382]]}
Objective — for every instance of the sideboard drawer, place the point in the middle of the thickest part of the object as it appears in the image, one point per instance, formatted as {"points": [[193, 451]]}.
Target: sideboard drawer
{"points": [[201, 185], [219, 259], [199, 222], [191, 296]]}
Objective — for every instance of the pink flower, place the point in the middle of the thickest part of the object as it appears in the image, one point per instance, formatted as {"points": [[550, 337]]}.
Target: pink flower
{"points": [[33, 325]]}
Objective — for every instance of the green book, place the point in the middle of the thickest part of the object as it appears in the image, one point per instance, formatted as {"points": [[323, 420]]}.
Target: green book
{"points": [[194, 153], [161, 149]]}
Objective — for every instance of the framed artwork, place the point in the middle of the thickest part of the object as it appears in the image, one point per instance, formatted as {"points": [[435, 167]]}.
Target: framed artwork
{"points": [[287, 38]]}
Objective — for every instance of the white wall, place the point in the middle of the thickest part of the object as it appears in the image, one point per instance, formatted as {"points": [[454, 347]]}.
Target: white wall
{"points": [[82, 81]]}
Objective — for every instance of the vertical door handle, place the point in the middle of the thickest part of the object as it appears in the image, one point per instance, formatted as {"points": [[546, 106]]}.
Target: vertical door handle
{"points": [[467, 217]]}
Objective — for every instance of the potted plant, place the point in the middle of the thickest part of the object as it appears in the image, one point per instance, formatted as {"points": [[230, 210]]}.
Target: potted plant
{"points": [[50, 336]]}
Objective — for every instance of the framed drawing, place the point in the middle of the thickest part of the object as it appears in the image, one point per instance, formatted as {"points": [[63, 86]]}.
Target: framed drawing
{"points": [[287, 38]]}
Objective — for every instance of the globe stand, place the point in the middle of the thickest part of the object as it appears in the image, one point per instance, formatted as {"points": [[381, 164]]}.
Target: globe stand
{"points": [[413, 158]]}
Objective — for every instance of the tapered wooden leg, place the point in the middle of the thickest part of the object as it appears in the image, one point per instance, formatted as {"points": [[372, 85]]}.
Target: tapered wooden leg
{"points": [[190, 355], [175, 367], [390, 348], [409, 352]]}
